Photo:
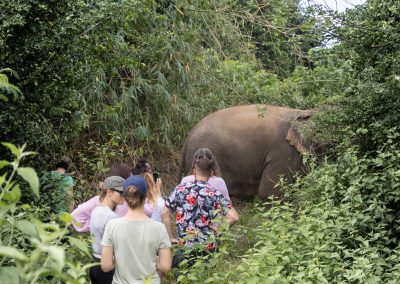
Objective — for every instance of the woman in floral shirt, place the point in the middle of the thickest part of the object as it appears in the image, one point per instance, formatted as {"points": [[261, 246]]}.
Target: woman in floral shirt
{"points": [[198, 207]]}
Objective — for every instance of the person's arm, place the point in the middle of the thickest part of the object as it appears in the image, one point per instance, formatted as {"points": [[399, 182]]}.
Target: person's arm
{"points": [[166, 219], [71, 204], [220, 185], [232, 216], [69, 183], [107, 258], [159, 185], [164, 261]]}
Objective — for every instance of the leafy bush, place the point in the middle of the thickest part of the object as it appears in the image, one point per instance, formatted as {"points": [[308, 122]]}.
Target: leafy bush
{"points": [[32, 251], [368, 42], [340, 225]]}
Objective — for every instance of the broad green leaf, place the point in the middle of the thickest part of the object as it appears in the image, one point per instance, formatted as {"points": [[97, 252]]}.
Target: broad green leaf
{"points": [[14, 195], [66, 217], [26, 227], [3, 179], [12, 253], [9, 275], [79, 244], [3, 163], [4, 208], [31, 177], [16, 152], [25, 206], [57, 253], [3, 98]]}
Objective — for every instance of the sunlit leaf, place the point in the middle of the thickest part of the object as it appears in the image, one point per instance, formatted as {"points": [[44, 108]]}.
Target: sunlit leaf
{"points": [[3, 163], [57, 253], [26, 227], [9, 275], [13, 195], [3, 179], [66, 217], [81, 245], [31, 177], [12, 253], [12, 148]]}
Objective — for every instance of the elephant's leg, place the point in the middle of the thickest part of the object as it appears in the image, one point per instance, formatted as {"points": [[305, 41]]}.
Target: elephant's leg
{"points": [[270, 177]]}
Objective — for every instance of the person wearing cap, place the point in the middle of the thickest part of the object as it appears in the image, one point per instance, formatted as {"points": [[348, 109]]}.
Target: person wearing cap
{"points": [[135, 245], [83, 212], [100, 216]]}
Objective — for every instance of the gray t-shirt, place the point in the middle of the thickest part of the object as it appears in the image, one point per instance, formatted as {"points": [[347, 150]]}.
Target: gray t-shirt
{"points": [[135, 244], [98, 220]]}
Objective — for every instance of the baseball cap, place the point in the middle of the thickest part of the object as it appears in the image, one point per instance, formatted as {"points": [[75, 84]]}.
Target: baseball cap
{"points": [[136, 181], [114, 182]]}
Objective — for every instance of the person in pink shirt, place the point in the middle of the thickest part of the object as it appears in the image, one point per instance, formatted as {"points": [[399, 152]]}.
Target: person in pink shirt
{"points": [[82, 213], [215, 181]]}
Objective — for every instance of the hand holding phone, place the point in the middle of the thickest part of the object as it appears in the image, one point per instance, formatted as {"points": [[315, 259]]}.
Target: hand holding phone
{"points": [[156, 175]]}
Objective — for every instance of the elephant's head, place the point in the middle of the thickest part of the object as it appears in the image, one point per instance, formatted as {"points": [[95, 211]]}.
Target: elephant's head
{"points": [[300, 137]]}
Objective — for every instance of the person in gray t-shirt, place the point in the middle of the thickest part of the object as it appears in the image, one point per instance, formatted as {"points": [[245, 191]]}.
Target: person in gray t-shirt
{"points": [[134, 244], [98, 220]]}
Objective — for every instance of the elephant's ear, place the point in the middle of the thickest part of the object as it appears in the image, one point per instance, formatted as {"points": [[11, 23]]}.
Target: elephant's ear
{"points": [[295, 136]]}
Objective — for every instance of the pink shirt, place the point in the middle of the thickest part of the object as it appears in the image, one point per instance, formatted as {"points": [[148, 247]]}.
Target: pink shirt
{"points": [[215, 182], [83, 212]]}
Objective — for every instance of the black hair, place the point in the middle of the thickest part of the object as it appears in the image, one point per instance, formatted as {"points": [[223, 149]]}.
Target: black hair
{"points": [[118, 169], [140, 167], [63, 165]]}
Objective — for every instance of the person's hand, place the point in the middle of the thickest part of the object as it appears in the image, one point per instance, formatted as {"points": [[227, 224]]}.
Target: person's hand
{"points": [[174, 241]]}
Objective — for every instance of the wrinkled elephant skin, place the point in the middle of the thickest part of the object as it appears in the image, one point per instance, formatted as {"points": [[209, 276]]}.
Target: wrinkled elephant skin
{"points": [[253, 144]]}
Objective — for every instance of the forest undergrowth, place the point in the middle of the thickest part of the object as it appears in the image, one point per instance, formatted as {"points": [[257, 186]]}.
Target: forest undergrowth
{"points": [[113, 81]]}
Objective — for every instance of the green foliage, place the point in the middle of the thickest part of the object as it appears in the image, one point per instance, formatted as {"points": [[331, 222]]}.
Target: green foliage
{"points": [[146, 69], [32, 251], [339, 225], [282, 32], [369, 40], [6, 87], [117, 80]]}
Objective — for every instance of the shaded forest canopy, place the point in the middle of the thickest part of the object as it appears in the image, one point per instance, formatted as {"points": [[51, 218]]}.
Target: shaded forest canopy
{"points": [[103, 81]]}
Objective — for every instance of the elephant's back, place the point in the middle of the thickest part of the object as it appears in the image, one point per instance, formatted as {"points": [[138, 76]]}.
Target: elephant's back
{"points": [[236, 130], [243, 119]]}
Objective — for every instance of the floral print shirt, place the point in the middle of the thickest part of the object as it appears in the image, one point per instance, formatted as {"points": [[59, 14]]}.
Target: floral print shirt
{"points": [[198, 208]]}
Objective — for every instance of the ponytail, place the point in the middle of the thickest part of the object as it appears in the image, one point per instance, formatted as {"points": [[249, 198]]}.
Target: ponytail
{"points": [[133, 197]]}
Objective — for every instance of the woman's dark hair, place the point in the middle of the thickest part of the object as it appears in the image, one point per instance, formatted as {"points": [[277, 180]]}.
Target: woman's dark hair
{"points": [[121, 170], [207, 160], [62, 165], [141, 167], [133, 197]]}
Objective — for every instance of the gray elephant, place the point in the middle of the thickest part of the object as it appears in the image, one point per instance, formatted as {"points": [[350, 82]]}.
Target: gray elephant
{"points": [[253, 144]]}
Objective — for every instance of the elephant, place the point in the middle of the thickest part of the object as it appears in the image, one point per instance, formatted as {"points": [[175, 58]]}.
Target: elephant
{"points": [[254, 146]]}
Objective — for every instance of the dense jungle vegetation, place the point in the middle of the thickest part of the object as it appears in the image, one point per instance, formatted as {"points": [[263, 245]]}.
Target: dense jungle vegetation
{"points": [[116, 80]]}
